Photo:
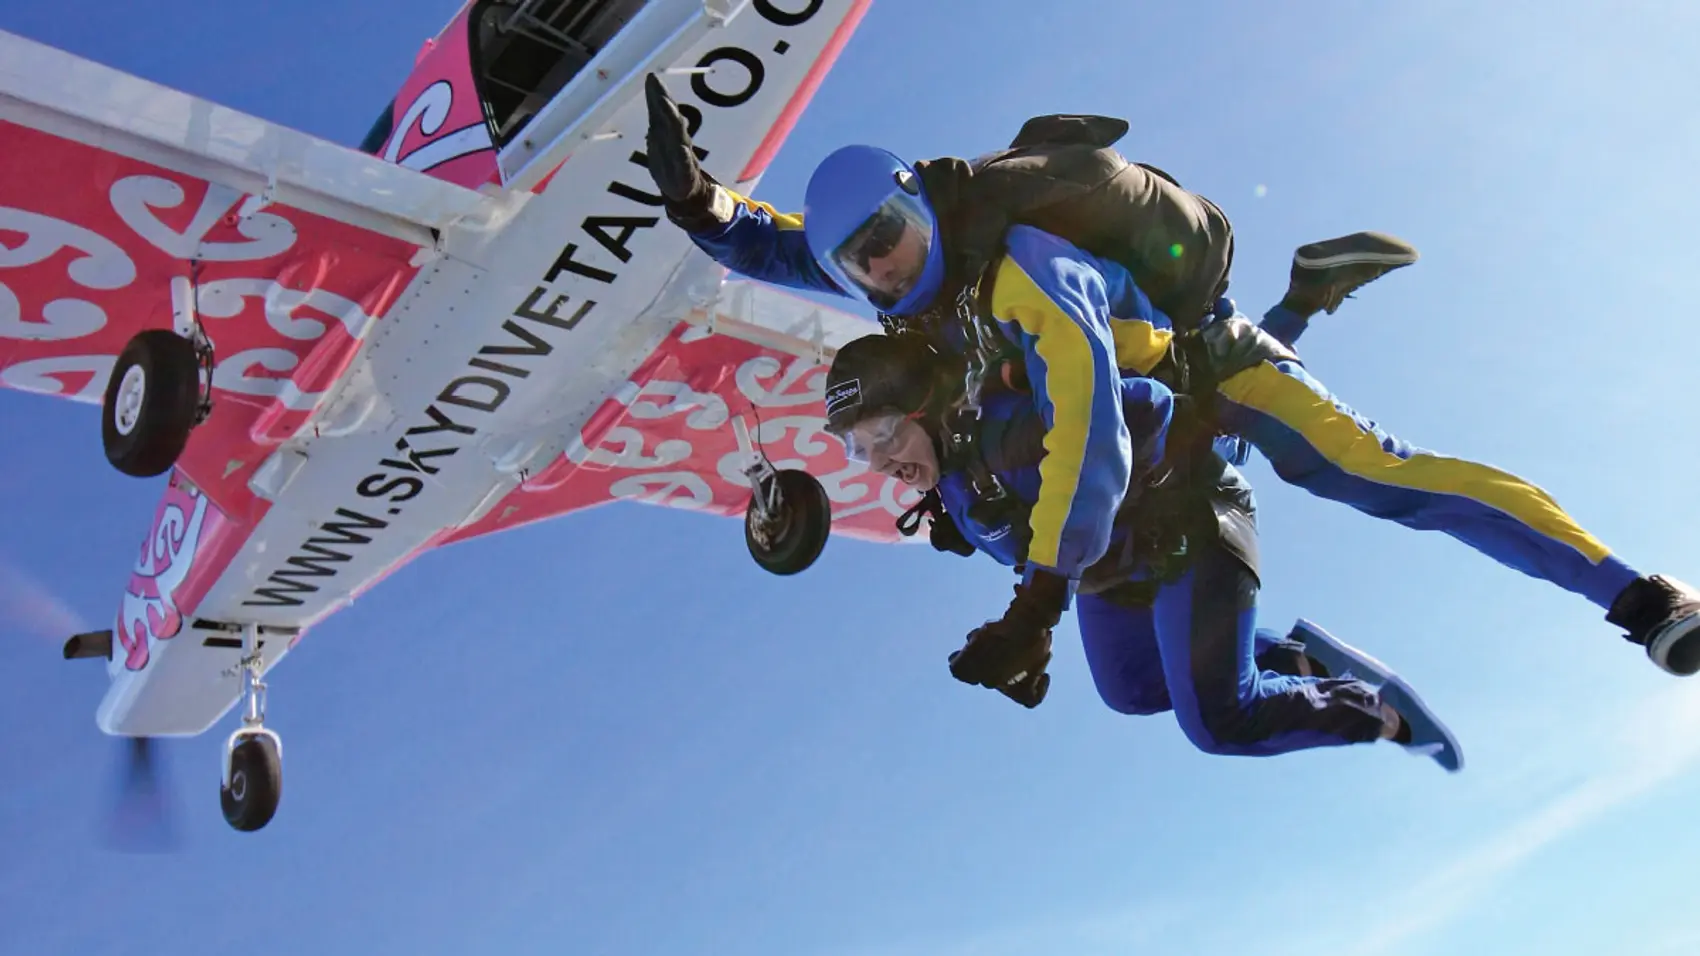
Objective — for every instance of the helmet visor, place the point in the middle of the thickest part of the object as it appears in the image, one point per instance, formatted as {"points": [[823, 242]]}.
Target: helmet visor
{"points": [[884, 257], [873, 437]]}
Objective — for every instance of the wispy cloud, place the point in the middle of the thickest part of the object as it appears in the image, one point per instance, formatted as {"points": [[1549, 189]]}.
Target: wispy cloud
{"points": [[1632, 751], [1113, 932], [1652, 744], [1675, 943], [1683, 942]]}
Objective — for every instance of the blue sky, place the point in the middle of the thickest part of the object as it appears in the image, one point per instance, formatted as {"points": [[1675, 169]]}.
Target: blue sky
{"points": [[612, 734]]}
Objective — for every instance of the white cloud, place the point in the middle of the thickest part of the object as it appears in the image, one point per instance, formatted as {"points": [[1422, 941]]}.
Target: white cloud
{"points": [[1683, 942], [1653, 743], [1113, 932], [1599, 762], [1626, 757]]}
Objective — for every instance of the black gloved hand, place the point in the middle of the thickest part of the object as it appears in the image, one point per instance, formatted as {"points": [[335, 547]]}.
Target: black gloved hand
{"points": [[1029, 693], [942, 531], [1002, 658], [944, 535], [1038, 603], [673, 159], [1009, 655]]}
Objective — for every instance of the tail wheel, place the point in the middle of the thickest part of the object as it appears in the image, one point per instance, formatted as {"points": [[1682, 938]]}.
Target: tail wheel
{"points": [[788, 538], [250, 797], [152, 401]]}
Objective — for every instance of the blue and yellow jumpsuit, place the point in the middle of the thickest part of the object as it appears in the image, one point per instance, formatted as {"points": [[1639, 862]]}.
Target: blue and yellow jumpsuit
{"points": [[1193, 648], [1312, 439]]}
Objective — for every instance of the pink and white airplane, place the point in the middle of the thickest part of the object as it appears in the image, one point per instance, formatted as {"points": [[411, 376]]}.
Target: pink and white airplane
{"points": [[477, 320]]}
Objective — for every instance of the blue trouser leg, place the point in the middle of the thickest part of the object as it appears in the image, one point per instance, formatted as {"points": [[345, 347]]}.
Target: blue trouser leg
{"points": [[1203, 628], [1121, 652], [1285, 324], [1318, 443]]}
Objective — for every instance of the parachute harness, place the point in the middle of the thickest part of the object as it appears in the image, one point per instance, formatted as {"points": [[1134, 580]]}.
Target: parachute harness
{"points": [[988, 354]]}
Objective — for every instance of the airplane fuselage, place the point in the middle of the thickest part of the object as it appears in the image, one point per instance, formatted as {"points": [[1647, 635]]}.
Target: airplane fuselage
{"points": [[508, 336]]}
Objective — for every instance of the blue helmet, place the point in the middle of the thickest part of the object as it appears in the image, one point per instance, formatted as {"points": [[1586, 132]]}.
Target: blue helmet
{"points": [[870, 227]]}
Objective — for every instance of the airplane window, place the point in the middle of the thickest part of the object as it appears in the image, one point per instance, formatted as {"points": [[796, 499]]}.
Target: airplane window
{"points": [[525, 51], [380, 131]]}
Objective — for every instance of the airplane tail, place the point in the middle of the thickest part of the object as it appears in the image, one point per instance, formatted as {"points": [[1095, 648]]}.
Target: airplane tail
{"points": [[172, 674]]}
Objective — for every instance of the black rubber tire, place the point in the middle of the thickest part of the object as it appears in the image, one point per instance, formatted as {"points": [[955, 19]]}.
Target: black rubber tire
{"points": [[804, 528], [256, 784], [170, 398]]}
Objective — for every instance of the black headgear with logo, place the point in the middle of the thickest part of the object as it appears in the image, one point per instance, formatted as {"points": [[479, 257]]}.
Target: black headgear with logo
{"points": [[887, 372]]}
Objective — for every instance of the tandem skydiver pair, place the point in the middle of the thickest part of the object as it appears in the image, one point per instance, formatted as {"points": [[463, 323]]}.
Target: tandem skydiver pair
{"points": [[1064, 376]]}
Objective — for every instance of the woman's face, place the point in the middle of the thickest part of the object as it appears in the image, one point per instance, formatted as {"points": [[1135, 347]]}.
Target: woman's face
{"points": [[898, 447]]}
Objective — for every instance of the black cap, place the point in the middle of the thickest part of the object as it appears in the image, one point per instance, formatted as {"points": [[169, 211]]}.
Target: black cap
{"points": [[876, 372]]}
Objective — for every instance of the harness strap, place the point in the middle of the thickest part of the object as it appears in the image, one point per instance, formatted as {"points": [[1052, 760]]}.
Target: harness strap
{"points": [[930, 505]]}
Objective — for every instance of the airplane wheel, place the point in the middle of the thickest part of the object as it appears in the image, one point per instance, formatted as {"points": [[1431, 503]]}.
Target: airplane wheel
{"points": [[256, 783], [151, 401], [791, 540]]}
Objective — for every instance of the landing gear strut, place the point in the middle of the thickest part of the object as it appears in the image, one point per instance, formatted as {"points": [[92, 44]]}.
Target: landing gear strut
{"points": [[253, 757], [788, 519]]}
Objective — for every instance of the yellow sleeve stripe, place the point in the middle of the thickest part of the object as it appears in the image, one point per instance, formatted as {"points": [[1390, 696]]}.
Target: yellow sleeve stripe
{"points": [[1140, 346], [1064, 349], [1339, 439], [784, 220]]}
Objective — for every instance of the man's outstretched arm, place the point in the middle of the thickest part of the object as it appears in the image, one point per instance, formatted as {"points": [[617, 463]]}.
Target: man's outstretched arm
{"points": [[750, 238]]}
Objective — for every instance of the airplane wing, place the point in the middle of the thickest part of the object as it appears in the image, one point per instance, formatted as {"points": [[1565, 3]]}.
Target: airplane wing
{"points": [[122, 202], [742, 372]]}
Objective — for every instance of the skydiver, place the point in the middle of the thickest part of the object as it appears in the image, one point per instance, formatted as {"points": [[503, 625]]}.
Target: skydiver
{"points": [[1156, 548], [955, 250]]}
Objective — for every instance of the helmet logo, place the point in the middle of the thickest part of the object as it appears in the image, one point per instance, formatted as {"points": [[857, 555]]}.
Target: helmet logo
{"points": [[842, 396], [906, 181]]}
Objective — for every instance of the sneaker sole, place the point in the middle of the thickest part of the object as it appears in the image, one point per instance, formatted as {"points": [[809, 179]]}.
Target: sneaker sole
{"points": [[1406, 702], [1663, 642], [1340, 650], [1353, 259], [1359, 248], [1395, 691]]}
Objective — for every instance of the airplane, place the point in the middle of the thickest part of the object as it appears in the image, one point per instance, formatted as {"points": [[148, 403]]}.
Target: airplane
{"points": [[478, 319]]}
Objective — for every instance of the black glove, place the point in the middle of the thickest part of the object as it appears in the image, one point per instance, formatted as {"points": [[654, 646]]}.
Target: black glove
{"points": [[942, 532], [946, 536], [1029, 693], [1009, 655], [1004, 659], [673, 160], [1038, 603]]}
